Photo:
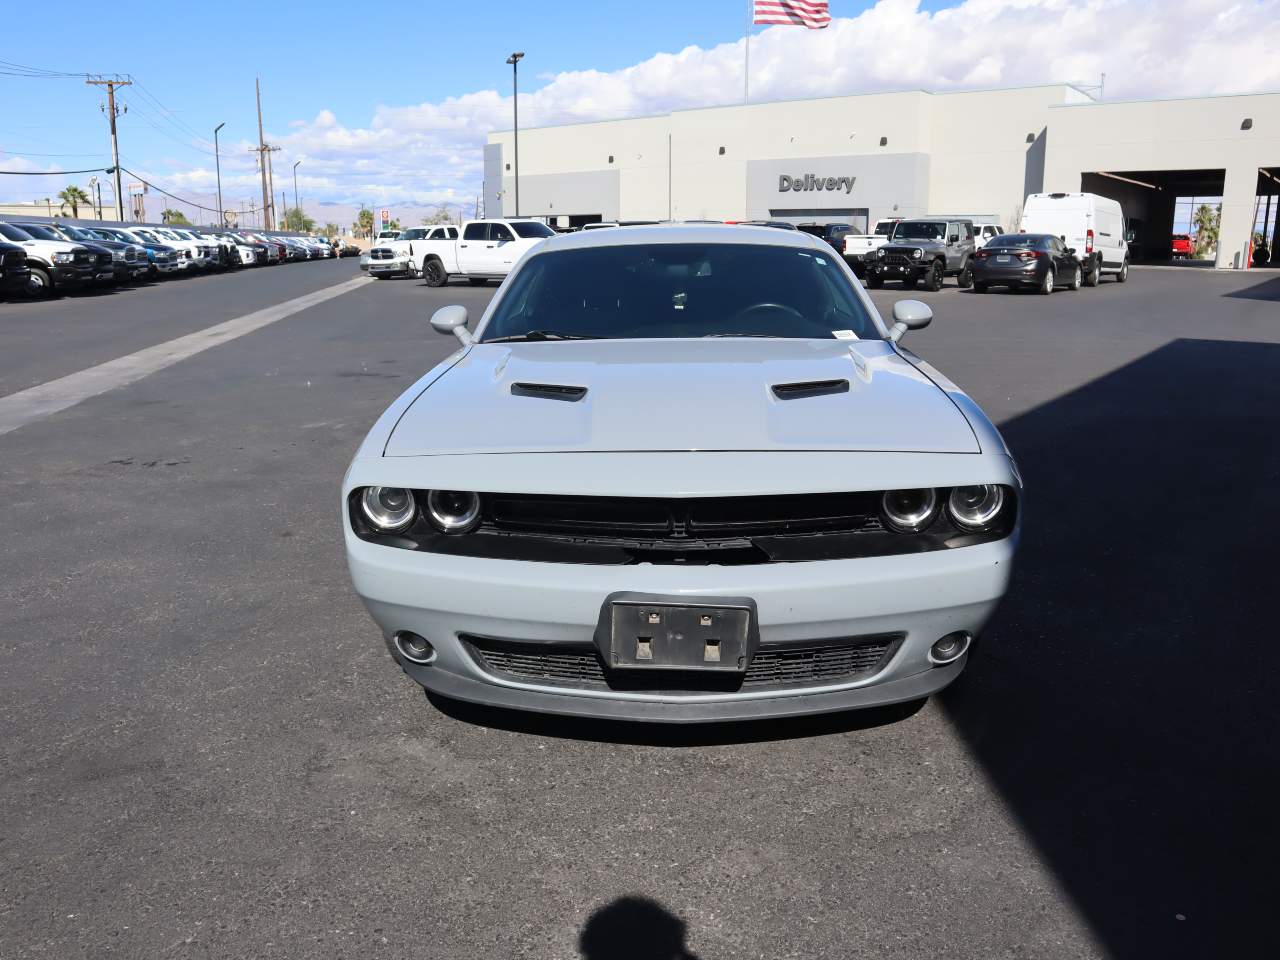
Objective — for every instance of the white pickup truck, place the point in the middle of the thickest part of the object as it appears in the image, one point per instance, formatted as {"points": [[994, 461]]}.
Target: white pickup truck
{"points": [[860, 247], [485, 250]]}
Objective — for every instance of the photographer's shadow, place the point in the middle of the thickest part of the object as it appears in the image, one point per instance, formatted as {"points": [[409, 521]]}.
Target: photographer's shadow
{"points": [[634, 928]]}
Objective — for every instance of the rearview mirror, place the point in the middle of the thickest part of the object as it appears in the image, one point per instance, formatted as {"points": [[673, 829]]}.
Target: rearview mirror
{"points": [[909, 315], [452, 320]]}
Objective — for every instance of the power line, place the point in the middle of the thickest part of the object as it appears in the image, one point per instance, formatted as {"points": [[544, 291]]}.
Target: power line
{"points": [[51, 173], [10, 69]]}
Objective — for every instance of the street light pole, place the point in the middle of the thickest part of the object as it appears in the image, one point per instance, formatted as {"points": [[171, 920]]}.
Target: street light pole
{"points": [[217, 161], [295, 191], [515, 59]]}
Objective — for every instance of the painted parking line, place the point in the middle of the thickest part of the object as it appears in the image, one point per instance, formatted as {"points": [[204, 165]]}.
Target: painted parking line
{"points": [[27, 406]]}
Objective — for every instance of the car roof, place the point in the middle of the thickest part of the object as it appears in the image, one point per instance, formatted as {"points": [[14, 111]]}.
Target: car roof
{"points": [[684, 233]]}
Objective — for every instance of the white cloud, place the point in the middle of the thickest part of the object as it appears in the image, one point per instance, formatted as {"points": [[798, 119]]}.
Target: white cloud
{"points": [[429, 153]]}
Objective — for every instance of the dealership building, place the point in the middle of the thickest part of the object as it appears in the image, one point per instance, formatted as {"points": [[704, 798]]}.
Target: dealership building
{"points": [[858, 159]]}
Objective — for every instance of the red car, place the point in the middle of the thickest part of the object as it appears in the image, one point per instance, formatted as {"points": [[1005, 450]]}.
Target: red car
{"points": [[1181, 246]]}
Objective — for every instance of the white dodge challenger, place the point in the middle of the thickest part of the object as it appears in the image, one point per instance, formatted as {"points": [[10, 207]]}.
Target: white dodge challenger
{"points": [[682, 473]]}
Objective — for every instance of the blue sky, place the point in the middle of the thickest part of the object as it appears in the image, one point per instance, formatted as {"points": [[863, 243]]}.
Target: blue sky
{"points": [[315, 56], [393, 109]]}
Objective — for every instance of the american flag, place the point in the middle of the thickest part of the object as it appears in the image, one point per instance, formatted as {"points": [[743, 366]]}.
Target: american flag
{"points": [[799, 13]]}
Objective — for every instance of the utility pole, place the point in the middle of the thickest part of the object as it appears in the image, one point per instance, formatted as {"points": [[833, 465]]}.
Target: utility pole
{"points": [[271, 181], [262, 155], [115, 147], [218, 163], [296, 205]]}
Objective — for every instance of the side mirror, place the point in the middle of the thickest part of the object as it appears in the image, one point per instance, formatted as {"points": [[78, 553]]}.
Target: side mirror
{"points": [[909, 315], [1128, 236], [954, 238], [452, 320]]}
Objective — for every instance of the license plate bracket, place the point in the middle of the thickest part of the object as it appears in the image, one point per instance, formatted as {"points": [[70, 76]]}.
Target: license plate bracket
{"points": [[639, 631]]}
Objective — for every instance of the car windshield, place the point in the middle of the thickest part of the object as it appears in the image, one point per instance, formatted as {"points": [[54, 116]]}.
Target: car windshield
{"points": [[1016, 241], [920, 230], [680, 290], [40, 232], [148, 236], [78, 233], [884, 229], [531, 228], [10, 232]]}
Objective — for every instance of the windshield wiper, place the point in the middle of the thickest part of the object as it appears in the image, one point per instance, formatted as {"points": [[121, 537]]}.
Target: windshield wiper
{"points": [[542, 335], [754, 336]]}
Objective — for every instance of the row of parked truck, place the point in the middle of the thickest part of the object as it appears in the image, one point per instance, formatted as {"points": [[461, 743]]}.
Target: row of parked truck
{"points": [[49, 258]]}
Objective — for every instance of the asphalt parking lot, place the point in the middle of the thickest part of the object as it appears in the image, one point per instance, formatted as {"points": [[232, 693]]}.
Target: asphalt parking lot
{"points": [[208, 752]]}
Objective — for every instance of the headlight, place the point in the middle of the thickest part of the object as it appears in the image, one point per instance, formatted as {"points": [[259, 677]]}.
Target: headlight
{"points": [[973, 508], [453, 511], [916, 253], [909, 511], [880, 253], [117, 255], [388, 508], [63, 257]]}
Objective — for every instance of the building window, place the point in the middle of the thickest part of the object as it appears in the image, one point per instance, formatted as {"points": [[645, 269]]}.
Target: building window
{"points": [[884, 141], [611, 158], [508, 166], [1031, 138], [722, 151], [1247, 123]]}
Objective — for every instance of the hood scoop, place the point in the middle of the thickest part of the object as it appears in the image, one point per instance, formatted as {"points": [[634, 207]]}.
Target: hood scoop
{"points": [[549, 391], [809, 388]]}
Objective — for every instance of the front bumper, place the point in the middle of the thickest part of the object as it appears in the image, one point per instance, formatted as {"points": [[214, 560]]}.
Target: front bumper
{"points": [[920, 596], [389, 268], [14, 280], [891, 271]]}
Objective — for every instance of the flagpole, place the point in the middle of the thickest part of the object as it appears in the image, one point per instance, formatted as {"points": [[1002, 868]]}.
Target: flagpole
{"points": [[746, 60]]}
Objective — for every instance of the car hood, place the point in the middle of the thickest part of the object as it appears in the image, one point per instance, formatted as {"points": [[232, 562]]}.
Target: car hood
{"points": [[649, 395]]}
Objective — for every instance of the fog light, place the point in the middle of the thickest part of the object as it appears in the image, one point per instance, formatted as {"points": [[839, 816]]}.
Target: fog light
{"points": [[949, 648], [413, 647]]}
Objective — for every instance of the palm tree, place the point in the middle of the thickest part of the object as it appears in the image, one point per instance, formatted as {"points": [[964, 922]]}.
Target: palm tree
{"points": [[72, 197], [1206, 221]]}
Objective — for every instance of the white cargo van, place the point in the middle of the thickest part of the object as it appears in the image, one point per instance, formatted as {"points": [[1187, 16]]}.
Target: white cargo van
{"points": [[1092, 225]]}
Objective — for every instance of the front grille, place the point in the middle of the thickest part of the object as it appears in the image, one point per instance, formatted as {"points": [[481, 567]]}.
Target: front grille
{"points": [[821, 662], [131, 255], [898, 260], [679, 522], [382, 253], [104, 259], [82, 256]]}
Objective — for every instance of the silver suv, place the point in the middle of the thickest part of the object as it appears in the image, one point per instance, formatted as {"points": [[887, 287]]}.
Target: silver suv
{"points": [[925, 250]]}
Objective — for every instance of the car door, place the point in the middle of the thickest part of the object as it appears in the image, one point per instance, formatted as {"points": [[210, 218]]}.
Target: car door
{"points": [[503, 249], [955, 241], [472, 248], [1062, 266]]}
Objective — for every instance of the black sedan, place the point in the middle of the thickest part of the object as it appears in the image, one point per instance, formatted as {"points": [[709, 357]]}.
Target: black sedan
{"points": [[1038, 261]]}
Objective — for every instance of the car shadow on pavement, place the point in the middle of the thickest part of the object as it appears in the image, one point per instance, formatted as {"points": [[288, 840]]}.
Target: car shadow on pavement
{"points": [[671, 734], [1123, 703], [633, 928]]}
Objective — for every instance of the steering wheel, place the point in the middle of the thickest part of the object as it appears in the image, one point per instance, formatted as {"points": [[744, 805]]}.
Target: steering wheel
{"points": [[743, 314]]}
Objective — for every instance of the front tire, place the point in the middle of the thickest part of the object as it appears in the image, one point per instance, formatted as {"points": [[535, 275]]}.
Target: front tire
{"points": [[433, 274], [933, 279], [1123, 275], [39, 285]]}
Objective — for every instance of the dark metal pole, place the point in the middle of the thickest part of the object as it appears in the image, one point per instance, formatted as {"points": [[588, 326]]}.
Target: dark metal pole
{"points": [[217, 161], [514, 60]]}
